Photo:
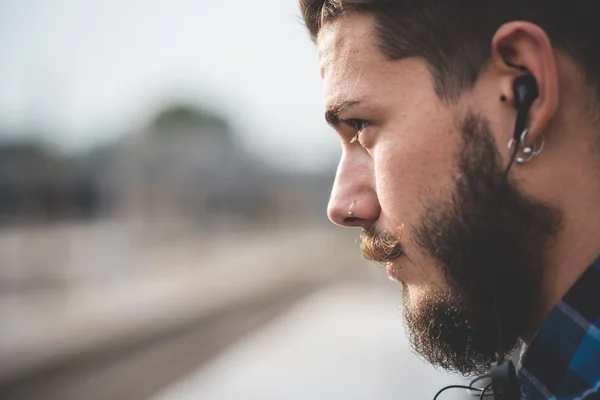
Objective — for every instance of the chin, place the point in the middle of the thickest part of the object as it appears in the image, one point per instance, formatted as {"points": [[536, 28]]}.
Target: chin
{"points": [[418, 286], [415, 296]]}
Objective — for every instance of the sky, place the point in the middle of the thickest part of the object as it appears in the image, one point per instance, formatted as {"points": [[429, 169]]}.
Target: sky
{"points": [[85, 71]]}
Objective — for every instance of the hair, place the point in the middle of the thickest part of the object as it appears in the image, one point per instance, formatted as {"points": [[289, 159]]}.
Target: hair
{"points": [[454, 37]]}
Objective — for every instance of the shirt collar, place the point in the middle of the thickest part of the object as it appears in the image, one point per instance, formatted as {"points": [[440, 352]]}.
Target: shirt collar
{"points": [[563, 358]]}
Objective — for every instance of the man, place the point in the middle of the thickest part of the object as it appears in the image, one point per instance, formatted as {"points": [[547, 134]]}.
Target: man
{"points": [[421, 95]]}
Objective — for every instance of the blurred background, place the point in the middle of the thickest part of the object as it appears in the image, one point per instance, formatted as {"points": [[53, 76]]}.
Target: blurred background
{"points": [[164, 174]]}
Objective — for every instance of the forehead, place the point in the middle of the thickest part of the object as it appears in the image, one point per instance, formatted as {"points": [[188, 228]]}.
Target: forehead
{"points": [[347, 34], [349, 58]]}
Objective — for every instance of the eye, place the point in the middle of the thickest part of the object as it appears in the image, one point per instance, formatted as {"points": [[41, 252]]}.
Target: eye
{"points": [[359, 125]]}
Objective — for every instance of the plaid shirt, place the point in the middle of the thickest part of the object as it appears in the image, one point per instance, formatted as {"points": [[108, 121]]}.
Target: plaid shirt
{"points": [[563, 360]]}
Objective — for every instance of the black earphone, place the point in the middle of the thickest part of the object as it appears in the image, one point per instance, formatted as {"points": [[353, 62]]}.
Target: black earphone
{"points": [[505, 385], [525, 90]]}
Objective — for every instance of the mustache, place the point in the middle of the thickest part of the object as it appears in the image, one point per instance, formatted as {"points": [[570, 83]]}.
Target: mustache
{"points": [[380, 245]]}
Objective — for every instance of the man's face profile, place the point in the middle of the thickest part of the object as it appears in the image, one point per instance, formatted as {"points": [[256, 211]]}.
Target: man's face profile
{"points": [[424, 176]]}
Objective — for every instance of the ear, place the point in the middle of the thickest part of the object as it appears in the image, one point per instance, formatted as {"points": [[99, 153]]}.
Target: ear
{"points": [[521, 47]]}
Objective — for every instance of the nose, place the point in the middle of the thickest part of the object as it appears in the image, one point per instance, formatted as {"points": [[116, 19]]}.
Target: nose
{"points": [[353, 201]]}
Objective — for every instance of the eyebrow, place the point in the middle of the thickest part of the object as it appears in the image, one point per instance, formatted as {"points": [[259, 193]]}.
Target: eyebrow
{"points": [[333, 111]]}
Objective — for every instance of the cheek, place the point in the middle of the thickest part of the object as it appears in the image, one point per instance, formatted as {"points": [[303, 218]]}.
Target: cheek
{"points": [[413, 169]]}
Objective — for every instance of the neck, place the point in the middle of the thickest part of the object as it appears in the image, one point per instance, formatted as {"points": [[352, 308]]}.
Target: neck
{"points": [[577, 244]]}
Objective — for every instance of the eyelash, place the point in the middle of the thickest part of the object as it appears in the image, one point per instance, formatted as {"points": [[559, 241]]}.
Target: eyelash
{"points": [[359, 125]]}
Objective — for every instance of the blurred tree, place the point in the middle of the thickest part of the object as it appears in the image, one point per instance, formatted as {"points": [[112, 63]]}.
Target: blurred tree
{"points": [[181, 119]]}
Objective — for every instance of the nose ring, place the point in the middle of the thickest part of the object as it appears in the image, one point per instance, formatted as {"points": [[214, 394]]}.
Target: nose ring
{"points": [[350, 212]]}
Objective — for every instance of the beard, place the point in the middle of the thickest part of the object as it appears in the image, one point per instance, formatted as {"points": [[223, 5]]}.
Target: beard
{"points": [[482, 246]]}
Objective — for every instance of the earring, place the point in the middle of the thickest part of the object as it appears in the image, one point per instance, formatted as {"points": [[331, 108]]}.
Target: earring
{"points": [[529, 152]]}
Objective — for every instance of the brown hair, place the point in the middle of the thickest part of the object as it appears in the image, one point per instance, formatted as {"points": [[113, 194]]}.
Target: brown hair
{"points": [[454, 36]]}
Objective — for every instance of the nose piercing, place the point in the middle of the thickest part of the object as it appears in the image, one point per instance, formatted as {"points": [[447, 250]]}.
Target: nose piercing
{"points": [[350, 212]]}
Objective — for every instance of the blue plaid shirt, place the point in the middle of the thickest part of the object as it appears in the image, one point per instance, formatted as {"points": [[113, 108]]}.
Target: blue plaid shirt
{"points": [[563, 360]]}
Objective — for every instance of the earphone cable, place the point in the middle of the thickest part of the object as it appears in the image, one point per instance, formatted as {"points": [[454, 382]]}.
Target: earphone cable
{"points": [[487, 391]]}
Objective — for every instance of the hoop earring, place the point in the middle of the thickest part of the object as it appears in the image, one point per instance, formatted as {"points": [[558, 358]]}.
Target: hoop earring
{"points": [[529, 152]]}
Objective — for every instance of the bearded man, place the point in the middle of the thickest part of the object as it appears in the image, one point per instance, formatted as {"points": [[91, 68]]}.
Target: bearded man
{"points": [[422, 95]]}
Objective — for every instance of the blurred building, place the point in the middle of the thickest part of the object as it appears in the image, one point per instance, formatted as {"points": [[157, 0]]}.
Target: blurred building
{"points": [[37, 186], [185, 165]]}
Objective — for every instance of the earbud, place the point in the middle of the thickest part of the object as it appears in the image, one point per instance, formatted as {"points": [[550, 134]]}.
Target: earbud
{"points": [[525, 90]]}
